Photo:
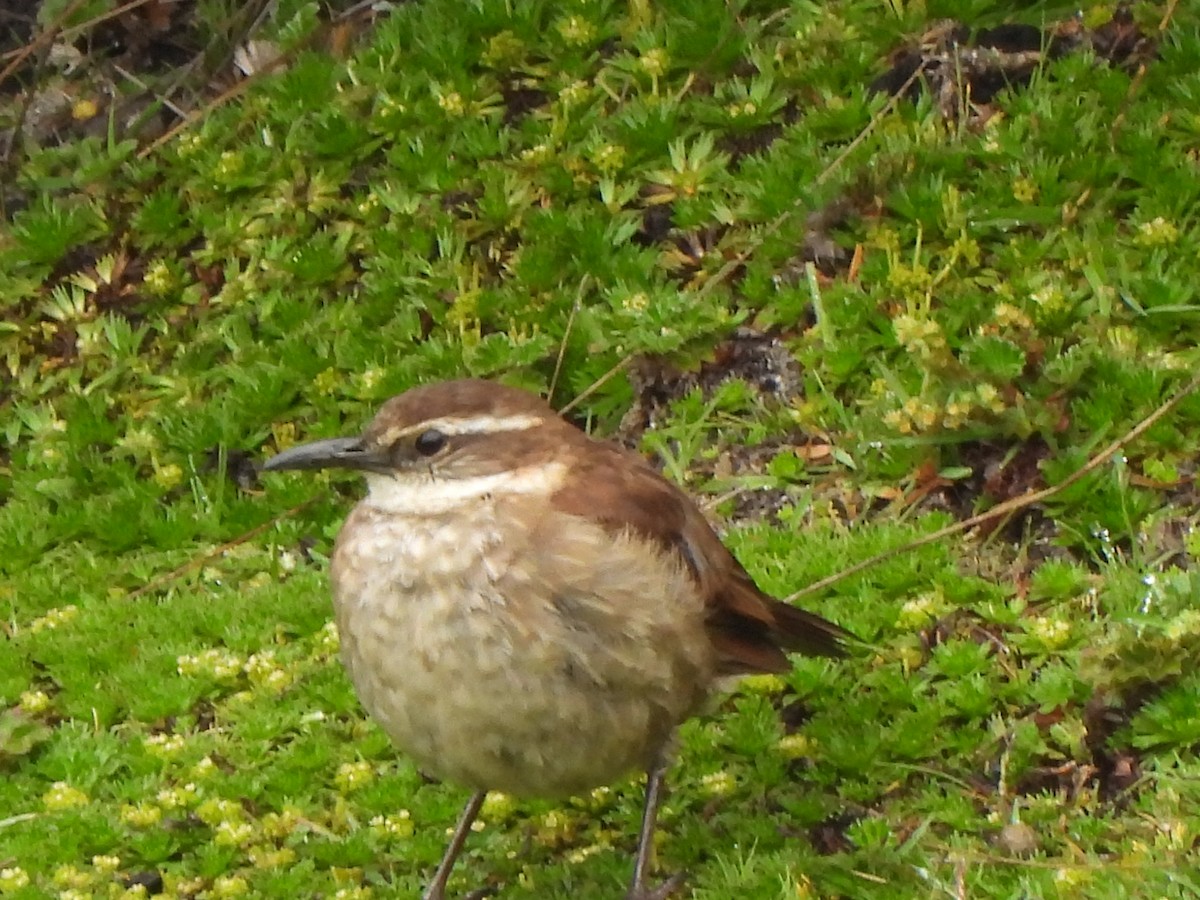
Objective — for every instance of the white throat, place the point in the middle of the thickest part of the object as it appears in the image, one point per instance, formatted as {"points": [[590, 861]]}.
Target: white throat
{"points": [[417, 494]]}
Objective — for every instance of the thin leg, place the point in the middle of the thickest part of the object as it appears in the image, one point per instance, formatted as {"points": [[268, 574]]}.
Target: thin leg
{"points": [[437, 887], [655, 790]]}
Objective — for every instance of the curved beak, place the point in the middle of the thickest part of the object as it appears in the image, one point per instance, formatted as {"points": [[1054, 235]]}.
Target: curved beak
{"points": [[333, 453]]}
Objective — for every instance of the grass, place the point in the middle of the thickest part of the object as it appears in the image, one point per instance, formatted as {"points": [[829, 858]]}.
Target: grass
{"points": [[480, 189]]}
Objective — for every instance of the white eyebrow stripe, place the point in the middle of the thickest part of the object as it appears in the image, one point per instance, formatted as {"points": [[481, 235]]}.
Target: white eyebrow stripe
{"points": [[454, 425], [481, 424]]}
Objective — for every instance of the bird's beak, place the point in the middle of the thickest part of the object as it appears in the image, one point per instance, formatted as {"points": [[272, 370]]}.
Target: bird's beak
{"points": [[333, 453]]}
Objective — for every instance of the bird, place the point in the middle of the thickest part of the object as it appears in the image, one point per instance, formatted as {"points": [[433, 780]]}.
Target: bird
{"points": [[525, 608]]}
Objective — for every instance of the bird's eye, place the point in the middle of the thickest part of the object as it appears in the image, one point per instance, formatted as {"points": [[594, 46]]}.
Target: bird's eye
{"points": [[430, 442]]}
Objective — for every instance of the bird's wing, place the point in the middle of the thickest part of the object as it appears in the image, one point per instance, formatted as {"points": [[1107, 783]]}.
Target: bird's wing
{"points": [[750, 631]]}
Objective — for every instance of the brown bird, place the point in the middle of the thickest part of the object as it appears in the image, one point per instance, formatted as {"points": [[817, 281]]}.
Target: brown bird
{"points": [[526, 609]]}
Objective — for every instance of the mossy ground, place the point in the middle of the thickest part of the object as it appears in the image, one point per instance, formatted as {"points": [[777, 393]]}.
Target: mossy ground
{"points": [[973, 300]]}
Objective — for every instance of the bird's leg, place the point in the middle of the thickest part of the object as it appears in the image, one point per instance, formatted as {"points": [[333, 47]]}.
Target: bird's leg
{"points": [[655, 789], [437, 887]]}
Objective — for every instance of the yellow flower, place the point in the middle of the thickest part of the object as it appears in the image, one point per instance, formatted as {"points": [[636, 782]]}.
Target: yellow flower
{"points": [[70, 877], [794, 746], [399, 825], [141, 815], [717, 784], [352, 776], [164, 746], [62, 796], [216, 810], [178, 797], [34, 702], [13, 879], [228, 886], [271, 857]]}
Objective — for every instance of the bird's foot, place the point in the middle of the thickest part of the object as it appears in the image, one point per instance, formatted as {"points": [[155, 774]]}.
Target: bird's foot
{"points": [[663, 891]]}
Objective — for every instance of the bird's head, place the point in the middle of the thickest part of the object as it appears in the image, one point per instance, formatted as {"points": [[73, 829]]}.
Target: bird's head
{"points": [[440, 445]]}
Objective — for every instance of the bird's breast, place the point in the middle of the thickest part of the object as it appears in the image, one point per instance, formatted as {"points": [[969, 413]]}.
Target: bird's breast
{"points": [[524, 656]]}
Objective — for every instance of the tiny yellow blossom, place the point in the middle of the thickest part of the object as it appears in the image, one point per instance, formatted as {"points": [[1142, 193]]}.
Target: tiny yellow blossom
{"points": [[265, 672], [958, 410], [1184, 625], [228, 886], [184, 887], [271, 857], [283, 823], [918, 612], [204, 768], [1025, 190], [181, 796], [34, 702], [921, 413], [230, 833], [503, 47], [71, 877], [635, 302], [368, 204], [576, 30], [910, 658], [609, 158], [166, 477], [346, 874], [53, 618], [654, 62], [258, 581], [1072, 877], [452, 103], [141, 815], [762, 684], [1050, 298], [214, 662], [573, 93], [106, 865], [898, 420], [229, 165], [369, 379], [717, 784], [919, 335], [13, 879], [353, 775], [158, 279], [537, 154], [84, 109], [579, 854], [62, 796], [795, 746], [1157, 232], [164, 746], [326, 381], [553, 827], [497, 806], [399, 825], [1052, 632], [216, 810], [1009, 316], [989, 397]]}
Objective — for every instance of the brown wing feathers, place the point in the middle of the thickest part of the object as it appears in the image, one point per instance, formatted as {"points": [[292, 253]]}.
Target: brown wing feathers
{"points": [[751, 631]]}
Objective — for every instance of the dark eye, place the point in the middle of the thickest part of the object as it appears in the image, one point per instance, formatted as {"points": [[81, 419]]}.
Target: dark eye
{"points": [[430, 442]]}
